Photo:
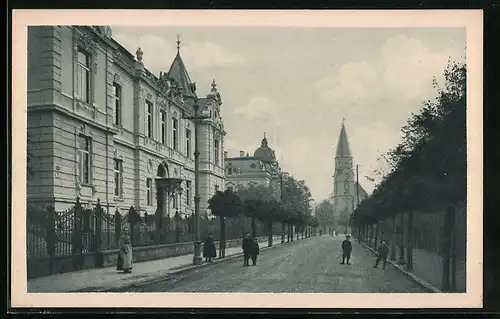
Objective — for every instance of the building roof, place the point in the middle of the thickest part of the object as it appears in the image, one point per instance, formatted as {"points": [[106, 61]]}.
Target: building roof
{"points": [[343, 149], [264, 152], [179, 73], [362, 192]]}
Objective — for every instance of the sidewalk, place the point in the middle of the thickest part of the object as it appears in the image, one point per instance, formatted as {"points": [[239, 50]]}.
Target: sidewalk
{"points": [[427, 285], [104, 279]]}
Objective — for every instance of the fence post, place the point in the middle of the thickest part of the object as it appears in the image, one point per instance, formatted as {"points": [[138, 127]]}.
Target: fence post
{"points": [[77, 236], [409, 254], [51, 237], [132, 220], [98, 216], [118, 227]]}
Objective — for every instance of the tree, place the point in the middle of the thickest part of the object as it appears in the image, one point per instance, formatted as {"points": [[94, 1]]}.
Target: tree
{"points": [[324, 212], [256, 203], [429, 165], [225, 204]]}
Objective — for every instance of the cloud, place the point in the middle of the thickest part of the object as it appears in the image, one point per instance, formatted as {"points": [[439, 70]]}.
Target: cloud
{"points": [[403, 73], [159, 53], [209, 54], [259, 108]]}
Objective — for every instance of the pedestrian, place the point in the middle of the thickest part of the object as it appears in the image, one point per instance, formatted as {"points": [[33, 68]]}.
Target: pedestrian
{"points": [[346, 249], [126, 254], [247, 248], [209, 250], [255, 251], [382, 253]]}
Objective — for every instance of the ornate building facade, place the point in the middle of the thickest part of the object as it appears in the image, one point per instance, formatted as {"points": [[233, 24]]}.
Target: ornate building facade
{"points": [[260, 169], [100, 125], [345, 186]]}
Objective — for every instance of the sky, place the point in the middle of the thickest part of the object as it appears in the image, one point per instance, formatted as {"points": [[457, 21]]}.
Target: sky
{"points": [[297, 85]]}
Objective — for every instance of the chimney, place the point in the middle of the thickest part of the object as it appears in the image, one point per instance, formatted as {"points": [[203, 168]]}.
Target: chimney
{"points": [[242, 153], [225, 154]]}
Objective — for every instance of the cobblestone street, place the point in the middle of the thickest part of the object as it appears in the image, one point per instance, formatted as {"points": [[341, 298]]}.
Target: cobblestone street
{"points": [[311, 265]]}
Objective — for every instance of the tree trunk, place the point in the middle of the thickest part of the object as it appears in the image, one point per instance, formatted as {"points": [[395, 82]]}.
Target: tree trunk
{"points": [[283, 230], [270, 235], [287, 233], [393, 239], [222, 242], [401, 257], [376, 236], [254, 230], [447, 239], [291, 232], [409, 253]]}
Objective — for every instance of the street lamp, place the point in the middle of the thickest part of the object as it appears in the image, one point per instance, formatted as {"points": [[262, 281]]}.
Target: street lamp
{"points": [[206, 114]]}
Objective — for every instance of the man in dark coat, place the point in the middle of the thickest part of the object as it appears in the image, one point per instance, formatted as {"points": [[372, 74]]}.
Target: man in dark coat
{"points": [[382, 253], [209, 250], [255, 251], [346, 249], [247, 248]]}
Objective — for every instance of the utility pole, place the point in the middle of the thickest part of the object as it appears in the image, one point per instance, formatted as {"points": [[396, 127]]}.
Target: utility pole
{"points": [[197, 259], [357, 184]]}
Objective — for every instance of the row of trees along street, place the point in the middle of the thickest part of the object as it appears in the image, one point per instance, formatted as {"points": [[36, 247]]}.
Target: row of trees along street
{"points": [[289, 207], [420, 204], [327, 220]]}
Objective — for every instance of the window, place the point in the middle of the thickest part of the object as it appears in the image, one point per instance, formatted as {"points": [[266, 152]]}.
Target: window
{"points": [[149, 119], [149, 187], [230, 188], [83, 76], [188, 143], [174, 134], [174, 201], [229, 171], [188, 193], [163, 119], [346, 186], [117, 93], [84, 153], [118, 172], [216, 188], [216, 151]]}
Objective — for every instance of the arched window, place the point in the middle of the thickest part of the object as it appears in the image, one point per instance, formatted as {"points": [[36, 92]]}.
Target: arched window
{"points": [[346, 186]]}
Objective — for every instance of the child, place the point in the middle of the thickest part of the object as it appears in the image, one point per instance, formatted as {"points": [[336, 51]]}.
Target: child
{"points": [[255, 251], [346, 249]]}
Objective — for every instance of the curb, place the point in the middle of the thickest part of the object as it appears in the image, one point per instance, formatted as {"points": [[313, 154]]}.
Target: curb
{"points": [[169, 273], [412, 276]]}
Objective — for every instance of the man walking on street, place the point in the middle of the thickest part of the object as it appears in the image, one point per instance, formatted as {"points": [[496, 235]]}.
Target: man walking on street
{"points": [[383, 252], [247, 248], [255, 251], [346, 249]]}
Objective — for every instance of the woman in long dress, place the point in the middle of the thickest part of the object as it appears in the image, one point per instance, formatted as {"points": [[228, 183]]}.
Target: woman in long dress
{"points": [[126, 254], [209, 250]]}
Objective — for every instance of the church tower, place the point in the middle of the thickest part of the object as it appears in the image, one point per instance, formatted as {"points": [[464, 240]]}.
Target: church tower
{"points": [[343, 177]]}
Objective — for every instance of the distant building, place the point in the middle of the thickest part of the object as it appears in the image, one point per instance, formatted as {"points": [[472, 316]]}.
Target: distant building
{"points": [[345, 187], [100, 125], [261, 168]]}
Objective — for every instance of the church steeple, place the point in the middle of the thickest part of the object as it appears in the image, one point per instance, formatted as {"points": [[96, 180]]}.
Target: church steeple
{"points": [[343, 145]]}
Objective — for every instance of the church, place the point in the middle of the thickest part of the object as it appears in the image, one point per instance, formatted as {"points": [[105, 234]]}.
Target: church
{"points": [[345, 187], [102, 126]]}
